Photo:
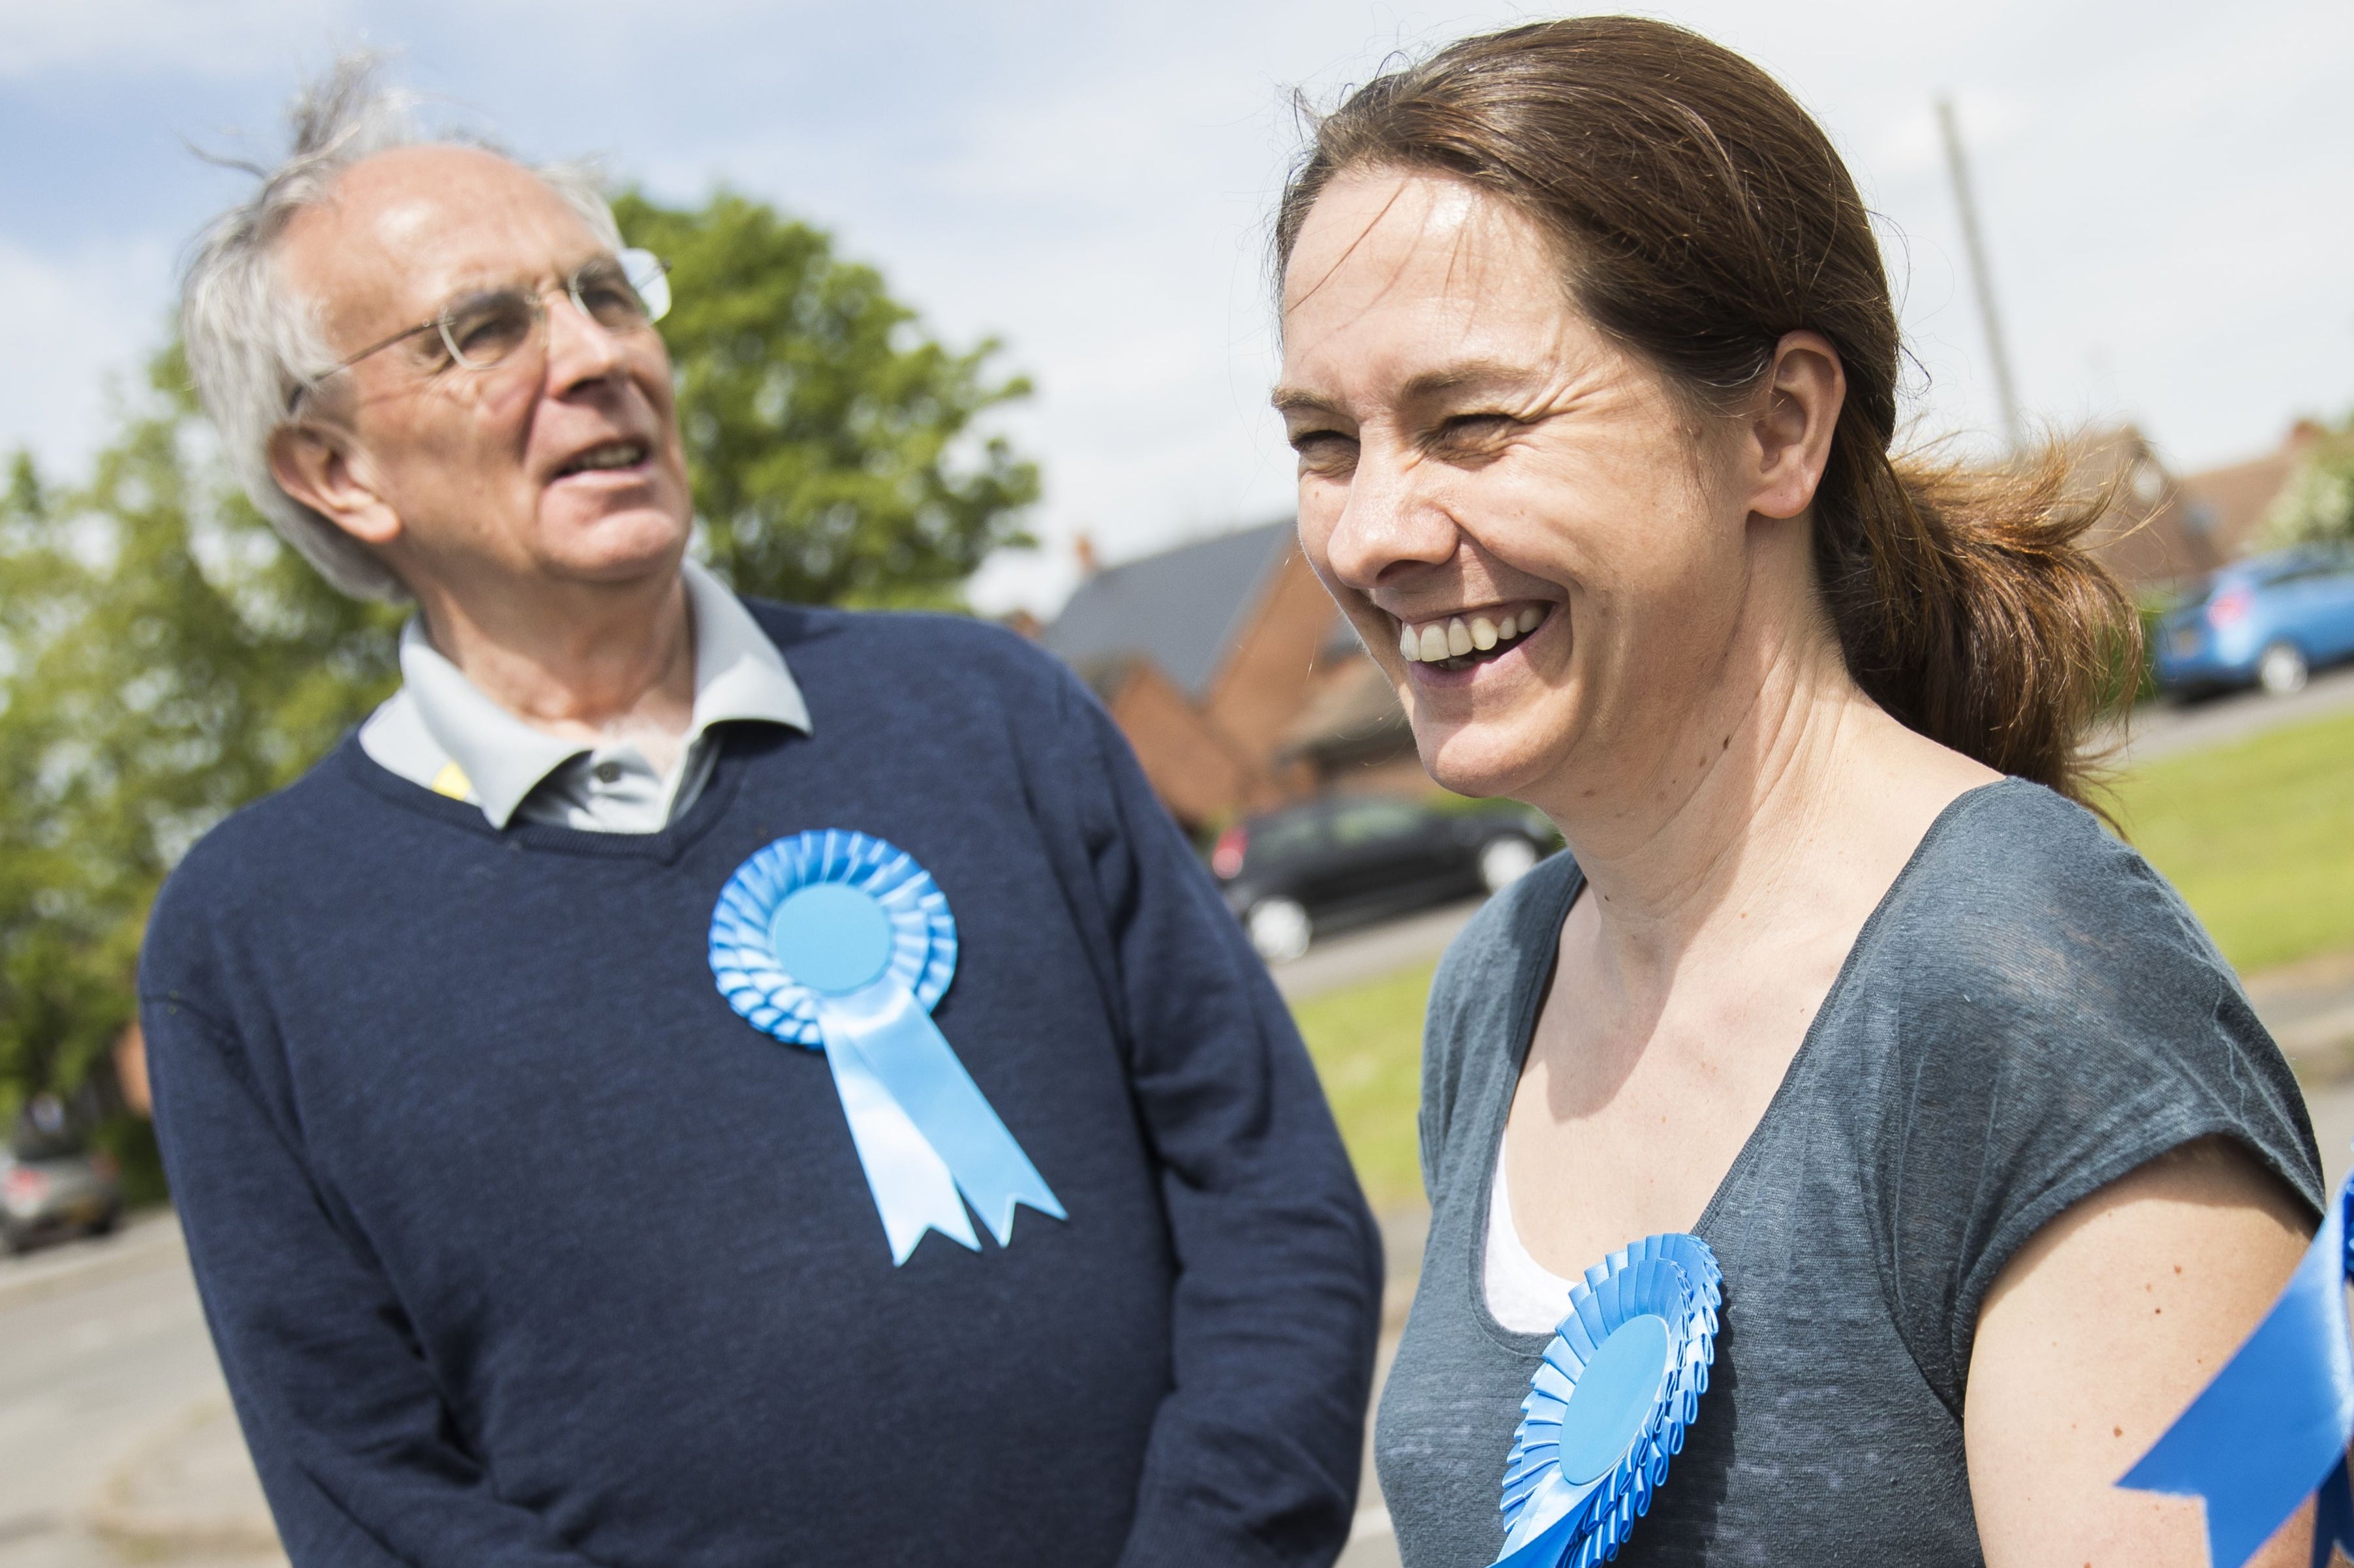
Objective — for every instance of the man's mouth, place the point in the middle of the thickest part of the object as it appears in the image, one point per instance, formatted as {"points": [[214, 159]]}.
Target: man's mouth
{"points": [[603, 456], [1460, 641]]}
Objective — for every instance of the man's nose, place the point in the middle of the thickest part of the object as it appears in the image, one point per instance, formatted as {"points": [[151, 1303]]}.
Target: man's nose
{"points": [[1392, 521], [579, 351]]}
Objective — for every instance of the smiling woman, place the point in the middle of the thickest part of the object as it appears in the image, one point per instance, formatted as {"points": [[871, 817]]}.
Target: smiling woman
{"points": [[1590, 362]]}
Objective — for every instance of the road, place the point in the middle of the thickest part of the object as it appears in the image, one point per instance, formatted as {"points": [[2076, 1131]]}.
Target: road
{"points": [[102, 1354], [2162, 729], [1372, 952]]}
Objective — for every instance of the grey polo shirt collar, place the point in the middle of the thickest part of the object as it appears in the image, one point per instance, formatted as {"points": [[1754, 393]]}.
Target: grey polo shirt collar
{"points": [[442, 731]]}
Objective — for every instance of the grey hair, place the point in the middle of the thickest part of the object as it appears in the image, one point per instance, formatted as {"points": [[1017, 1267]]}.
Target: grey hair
{"points": [[253, 340]]}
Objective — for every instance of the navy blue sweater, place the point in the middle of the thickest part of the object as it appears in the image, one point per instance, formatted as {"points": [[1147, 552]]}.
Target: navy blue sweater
{"points": [[520, 1247]]}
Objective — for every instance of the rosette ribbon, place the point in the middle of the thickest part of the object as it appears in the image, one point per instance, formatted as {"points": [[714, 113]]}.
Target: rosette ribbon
{"points": [[2272, 1427], [1608, 1407], [840, 942]]}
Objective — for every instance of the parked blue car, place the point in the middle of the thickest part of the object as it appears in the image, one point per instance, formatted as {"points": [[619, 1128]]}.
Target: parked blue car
{"points": [[2269, 620]]}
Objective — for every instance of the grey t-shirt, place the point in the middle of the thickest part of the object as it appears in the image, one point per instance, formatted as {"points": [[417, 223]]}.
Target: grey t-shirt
{"points": [[2031, 1013]]}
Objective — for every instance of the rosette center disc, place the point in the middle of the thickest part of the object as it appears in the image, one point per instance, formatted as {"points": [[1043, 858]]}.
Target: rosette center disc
{"points": [[1615, 1396], [831, 938]]}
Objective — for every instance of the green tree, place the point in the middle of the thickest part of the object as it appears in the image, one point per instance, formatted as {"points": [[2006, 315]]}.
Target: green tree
{"points": [[2317, 503], [831, 443], [166, 660]]}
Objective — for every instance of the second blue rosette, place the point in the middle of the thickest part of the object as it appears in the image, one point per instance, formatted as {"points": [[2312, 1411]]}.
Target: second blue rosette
{"points": [[841, 942], [1608, 1407]]}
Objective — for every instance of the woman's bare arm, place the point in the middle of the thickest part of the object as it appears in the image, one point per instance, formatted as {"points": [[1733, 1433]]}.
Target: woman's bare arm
{"points": [[2097, 1335]]}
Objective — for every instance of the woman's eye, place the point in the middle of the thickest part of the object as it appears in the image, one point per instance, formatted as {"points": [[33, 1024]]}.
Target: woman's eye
{"points": [[1324, 449], [1475, 429]]}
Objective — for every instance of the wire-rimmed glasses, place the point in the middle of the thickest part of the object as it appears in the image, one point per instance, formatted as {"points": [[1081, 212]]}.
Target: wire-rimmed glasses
{"points": [[621, 294]]}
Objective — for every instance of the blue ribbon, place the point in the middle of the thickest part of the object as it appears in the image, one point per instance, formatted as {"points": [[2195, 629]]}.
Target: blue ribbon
{"points": [[841, 942], [1607, 1406], [2272, 1425]]}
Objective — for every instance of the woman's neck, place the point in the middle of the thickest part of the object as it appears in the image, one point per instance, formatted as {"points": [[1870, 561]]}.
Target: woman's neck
{"points": [[1786, 804]]}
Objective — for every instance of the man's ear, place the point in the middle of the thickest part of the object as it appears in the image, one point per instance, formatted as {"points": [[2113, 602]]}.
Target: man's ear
{"points": [[1791, 424], [316, 466]]}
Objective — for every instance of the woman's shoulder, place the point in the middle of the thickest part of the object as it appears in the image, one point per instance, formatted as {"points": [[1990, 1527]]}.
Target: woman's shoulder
{"points": [[1510, 942], [1493, 967], [1482, 999], [2033, 1014], [2020, 899], [2034, 970]]}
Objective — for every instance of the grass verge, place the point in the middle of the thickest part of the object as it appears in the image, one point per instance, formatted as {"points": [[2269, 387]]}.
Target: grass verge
{"points": [[1367, 1042], [2259, 836]]}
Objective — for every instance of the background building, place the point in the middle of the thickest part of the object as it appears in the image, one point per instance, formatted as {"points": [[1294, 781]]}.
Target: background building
{"points": [[1239, 684]]}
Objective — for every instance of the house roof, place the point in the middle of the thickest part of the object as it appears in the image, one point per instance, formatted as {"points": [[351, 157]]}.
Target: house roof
{"points": [[1181, 608], [2236, 496], [1357, 713], [2147, 535]]}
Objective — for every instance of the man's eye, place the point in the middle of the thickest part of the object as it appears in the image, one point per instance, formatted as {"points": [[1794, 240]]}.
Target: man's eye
{"points": [[485, 330], [606, 295]]}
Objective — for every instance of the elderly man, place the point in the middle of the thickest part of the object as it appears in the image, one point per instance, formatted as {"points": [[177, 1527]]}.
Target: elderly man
{"points": [[696, 1082]]}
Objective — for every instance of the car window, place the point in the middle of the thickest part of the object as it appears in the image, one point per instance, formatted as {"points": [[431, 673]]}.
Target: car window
{"points": [[1371, 821], [1285, 837], [33, 1146], [43, 1131]]}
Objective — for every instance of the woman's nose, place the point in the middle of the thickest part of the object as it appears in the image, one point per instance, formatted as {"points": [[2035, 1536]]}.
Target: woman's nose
{"points": [[1388, 522]]}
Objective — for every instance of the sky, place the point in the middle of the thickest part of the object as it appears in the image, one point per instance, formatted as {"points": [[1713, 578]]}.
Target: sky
{"points": [[2164, 188]]}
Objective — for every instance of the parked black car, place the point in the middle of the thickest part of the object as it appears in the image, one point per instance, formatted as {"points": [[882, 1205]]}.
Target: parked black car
{"points": [[1294, 873]]}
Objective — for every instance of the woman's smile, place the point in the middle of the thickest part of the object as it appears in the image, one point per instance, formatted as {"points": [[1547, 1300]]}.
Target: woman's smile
{"points": [[1449, 649]]}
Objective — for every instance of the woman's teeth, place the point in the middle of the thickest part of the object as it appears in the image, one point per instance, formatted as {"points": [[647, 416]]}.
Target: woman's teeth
{"points": [[1459, 635]]}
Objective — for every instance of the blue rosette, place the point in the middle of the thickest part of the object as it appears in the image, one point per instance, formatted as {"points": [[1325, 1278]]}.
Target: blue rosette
{"points": [[2272, 1427], [1608, 1407], [841, 942]]}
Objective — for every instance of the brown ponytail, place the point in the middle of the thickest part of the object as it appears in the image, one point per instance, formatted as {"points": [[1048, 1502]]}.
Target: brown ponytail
{"points": [[1704, 214]]}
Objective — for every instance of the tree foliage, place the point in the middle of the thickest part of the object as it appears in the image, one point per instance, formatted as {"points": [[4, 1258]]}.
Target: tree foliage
{"points": [[164, 659], [831, 443], [167, 660]]}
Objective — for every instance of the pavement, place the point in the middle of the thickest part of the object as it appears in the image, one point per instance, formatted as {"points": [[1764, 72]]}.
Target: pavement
{"points": [[2163, 729], [118, 1448], [1372, 952], [115, 1447]]}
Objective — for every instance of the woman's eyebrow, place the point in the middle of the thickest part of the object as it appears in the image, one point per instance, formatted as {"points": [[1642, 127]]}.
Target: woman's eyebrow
{"points": [[1298, 400], [1470, 375]]}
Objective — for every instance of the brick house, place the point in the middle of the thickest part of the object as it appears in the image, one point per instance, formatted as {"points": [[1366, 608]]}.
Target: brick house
{"points": [[2233, 500], [2152, 535], [1209, 657], [2166, 529]]}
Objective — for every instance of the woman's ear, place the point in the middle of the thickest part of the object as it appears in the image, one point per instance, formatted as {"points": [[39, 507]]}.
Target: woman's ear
{"points": [[316, 466], [1789, 436]]}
